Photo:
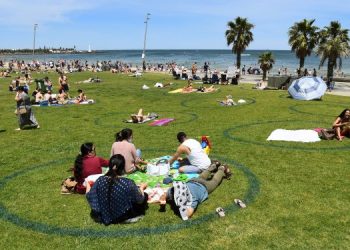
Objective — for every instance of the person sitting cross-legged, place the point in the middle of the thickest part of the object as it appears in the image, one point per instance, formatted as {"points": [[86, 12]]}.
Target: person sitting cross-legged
{"points": [[116, 199]]}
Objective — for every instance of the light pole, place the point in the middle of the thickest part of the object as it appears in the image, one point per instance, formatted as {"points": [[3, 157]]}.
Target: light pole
{"points": [[144, 43], [35, 27]]}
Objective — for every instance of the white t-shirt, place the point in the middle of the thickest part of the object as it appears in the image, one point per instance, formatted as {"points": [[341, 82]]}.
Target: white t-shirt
{"points": [[197, 156]]}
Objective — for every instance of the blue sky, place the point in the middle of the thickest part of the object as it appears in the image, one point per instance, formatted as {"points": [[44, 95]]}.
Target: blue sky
{"points": [[179, 24]]}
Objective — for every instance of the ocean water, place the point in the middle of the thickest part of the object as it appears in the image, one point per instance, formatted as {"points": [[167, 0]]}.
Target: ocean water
{"points": [[218, 59]]}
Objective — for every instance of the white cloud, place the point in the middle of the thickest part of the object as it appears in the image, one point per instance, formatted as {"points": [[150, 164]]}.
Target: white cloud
{"points": [[22, 13]]}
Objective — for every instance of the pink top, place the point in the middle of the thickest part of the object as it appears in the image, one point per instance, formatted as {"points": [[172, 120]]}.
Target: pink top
{"points": [[128, 150]]}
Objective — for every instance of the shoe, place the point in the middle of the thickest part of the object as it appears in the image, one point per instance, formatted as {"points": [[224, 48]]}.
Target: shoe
{"points": [[18, 129], [227, 171], [133, 220], [217, 163], [212, 168], [220, 211], [38, 126], [214, 165], [240, 203]]}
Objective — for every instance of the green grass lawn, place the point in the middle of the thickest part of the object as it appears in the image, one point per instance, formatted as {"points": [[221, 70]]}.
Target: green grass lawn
{"points": [[297, 194]]}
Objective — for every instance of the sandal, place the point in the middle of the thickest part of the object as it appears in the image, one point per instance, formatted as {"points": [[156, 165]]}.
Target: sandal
{"points": [[227, 171], [220, 211], [240, 203]]}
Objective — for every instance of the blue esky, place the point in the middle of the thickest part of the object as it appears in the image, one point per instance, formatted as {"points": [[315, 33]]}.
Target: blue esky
{"points": [[178, 24]]}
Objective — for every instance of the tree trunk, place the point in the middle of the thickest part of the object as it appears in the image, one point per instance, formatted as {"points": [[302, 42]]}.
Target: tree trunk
{"points": [[239, 60], [301, 62], [330, 67], [264, 74]]}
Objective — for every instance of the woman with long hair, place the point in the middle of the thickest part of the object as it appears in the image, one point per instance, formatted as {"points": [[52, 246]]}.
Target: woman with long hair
{"points": [[87, 163], [116, 199], [341, 125], [123, 145]]}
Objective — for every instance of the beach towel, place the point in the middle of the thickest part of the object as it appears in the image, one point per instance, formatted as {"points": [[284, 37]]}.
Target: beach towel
{"points": [[176, 91], [301, 135], [161, 122]]}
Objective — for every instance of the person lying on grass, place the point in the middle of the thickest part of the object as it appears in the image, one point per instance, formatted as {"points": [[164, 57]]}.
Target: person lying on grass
{"points": [[162, 85], [196, 161], [228, 101], [87, 163], [139, 117], [116, 199], [342, 124], [206, 89], [184, 198]]}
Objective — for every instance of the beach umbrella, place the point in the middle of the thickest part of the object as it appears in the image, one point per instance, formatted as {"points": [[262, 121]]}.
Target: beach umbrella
{"points": [[307, 88]]}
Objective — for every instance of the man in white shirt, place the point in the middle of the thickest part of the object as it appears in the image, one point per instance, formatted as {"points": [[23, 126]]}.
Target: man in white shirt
{"points": [[197, 160]]}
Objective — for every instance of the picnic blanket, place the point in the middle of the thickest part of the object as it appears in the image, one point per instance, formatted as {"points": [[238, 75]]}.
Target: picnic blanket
{"points": [[156, 184], [301, 135], [161, 122], [151, 180]]}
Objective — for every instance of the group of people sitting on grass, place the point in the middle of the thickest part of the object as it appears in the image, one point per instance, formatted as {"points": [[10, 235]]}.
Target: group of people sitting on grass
{"points": [[113, 198], [61, 98]]}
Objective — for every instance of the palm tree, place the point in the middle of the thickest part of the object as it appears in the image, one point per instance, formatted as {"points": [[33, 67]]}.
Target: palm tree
{"points": [[239, 35], [266, 62], [333, 45], [303, 39]]}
